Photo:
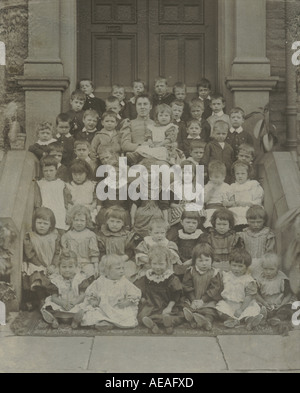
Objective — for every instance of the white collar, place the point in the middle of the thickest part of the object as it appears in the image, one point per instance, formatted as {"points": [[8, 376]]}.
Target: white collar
{"points": [[207, 98], [119, 117], [122, 103], [237, 130], [91, 95], [154, 277], [190, 137], [189, 236], [177, 121], [47, 142], [89, 132], [68, 135], [132, 100], [220, 114], [222, 144]]}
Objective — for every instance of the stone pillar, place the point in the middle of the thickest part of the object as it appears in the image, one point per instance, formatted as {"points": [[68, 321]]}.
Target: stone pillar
{"points": [[43, 80], [250, 79]]}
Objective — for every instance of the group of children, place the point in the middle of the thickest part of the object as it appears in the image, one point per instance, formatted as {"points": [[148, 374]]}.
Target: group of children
{"points": [[153, 262]]}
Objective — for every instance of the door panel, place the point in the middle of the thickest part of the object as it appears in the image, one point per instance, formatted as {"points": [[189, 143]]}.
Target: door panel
{"points": [[121, 40]]}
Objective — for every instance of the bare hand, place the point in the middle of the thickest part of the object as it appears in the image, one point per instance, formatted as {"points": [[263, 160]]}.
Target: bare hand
{"points": [[197, 304]]}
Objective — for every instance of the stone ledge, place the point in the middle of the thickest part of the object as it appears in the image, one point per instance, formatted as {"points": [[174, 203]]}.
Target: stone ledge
{"points": [[42, 84], [252, 84]]}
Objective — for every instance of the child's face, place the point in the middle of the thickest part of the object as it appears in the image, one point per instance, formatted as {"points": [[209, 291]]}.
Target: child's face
{"points": [[79, 222], [76, 104], [217, 178], [238, 269], [109, 123], [45, 135], [256, 224], [105, 158], [217, 105], [177, 111], [197, 154], [241, 174], [138, 88], [236, 120], [245, 157], [63, 127], [79, 177], [67, 269], [219, 134], [113, 106], [42, 226], [90, 122], [86, 87], [158, 233], [160, 88], [119, 93], [270, 269], [194, 130], [222, 226], [196, 112], [116, 271], [57, 155], [189, 225], [203, 92], [203, 263], [180, 93], [159, 266], [49, 172], [82, 151], [163, 118], [115, 224]]}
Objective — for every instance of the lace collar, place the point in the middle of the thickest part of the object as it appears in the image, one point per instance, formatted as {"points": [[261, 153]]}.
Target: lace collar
{"points": [[190, 236], [154, 277]]}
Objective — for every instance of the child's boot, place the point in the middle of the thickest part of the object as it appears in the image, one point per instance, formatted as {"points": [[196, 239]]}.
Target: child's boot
{"points": [[77, 319], [151, 325], [202, 322], [168, 324], [231, 323], [252, 322], [49, 318], [189, 316]]}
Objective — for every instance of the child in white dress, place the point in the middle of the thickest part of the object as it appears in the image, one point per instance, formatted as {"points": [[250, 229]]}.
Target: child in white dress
{"points": [[239, 290], [117, 297], [81, 240], [243, 193], [68, 287]]}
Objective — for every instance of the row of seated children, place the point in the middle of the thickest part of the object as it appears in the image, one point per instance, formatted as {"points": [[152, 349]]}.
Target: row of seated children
{"points": [[147, 288]]}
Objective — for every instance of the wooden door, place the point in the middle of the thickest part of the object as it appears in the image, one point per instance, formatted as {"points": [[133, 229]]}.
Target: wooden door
{"points": [[121, 40]]}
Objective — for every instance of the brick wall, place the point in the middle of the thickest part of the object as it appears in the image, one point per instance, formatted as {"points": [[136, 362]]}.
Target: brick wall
{"points": [[14, 33]]}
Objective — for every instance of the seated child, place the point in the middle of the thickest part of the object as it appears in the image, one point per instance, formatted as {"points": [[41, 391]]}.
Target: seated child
{"points": [[179, 91], [82, 187], [220, 150], [76, 112], [157, 237], [52, 192], [216, 191], [68, 292], [237, 135], [45, 138], [63, 136], [118, 91], [204, 90], [222, 238], [244, 193], [118, 298], [90, 121], [196, 110], [91, 101], [56, 151], [238, 291], [194, 133], [177, 110], [161, 293], [274, 292], [138, 87], [161, 95], [114, 238], [82, 150], [41, 253], [112, 104], [217, 105], [107, 136], [258, 238], [199, 308], [246, 154], [81, 240]]}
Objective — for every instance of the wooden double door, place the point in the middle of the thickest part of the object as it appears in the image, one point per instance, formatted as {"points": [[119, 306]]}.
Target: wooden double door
{"points": [[122, 40]]}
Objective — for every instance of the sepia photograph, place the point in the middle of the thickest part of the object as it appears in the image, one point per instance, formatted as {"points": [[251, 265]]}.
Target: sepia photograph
{"points": [[149, 189]]}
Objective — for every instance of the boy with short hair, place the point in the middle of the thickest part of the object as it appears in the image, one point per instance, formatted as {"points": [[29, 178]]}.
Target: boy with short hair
{"points": [[204, 91], [237, 135], [177, 111], [196, 111], [217, 105], [220, 150], [197, 149], [92, 102], [56, 151], [76, 112], [90, 121], [118, 91], [138, 87], [246, 154], [161, 95], [63, 136], [179, 91]]}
